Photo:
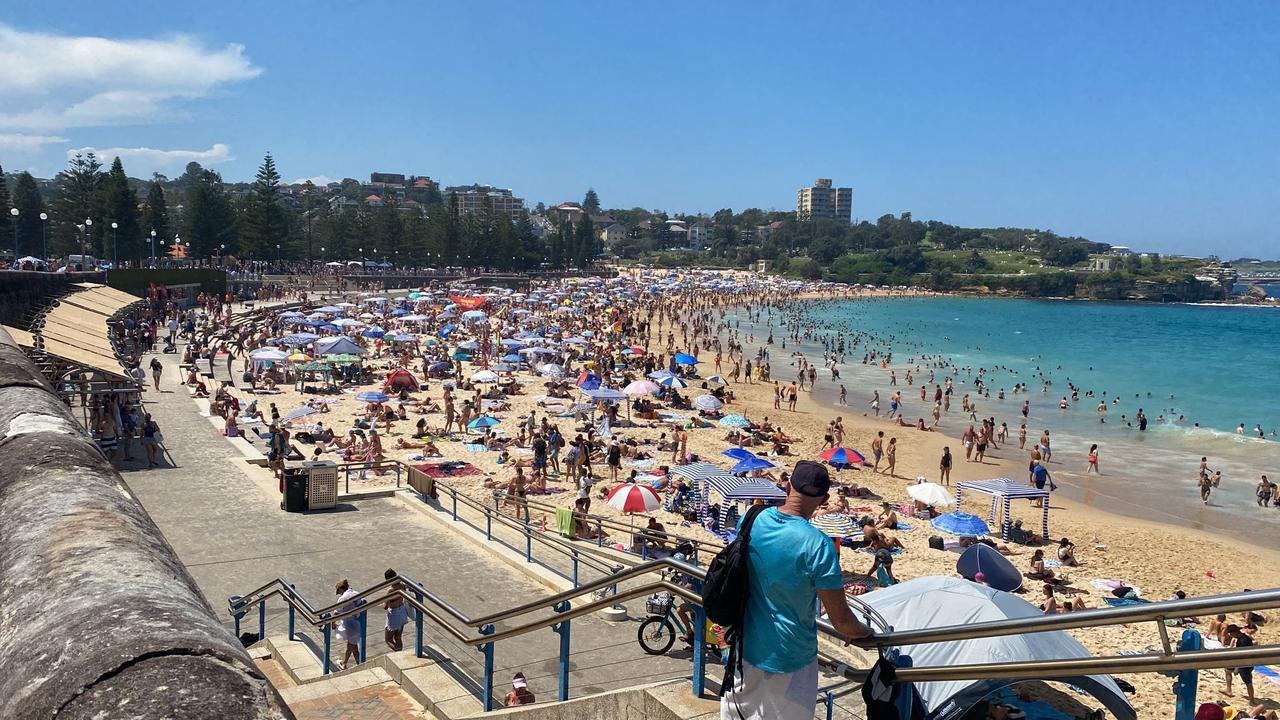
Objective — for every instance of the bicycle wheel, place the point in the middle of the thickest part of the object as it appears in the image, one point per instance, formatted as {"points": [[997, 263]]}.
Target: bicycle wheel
{"points": [[656, 635]]}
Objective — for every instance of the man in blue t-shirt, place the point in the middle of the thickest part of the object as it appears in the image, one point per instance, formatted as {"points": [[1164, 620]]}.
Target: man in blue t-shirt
{"points": [[791, 564]]}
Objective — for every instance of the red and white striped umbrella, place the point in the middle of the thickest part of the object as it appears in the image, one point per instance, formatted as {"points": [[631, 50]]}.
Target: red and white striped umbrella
{"points": [[632, 498]]}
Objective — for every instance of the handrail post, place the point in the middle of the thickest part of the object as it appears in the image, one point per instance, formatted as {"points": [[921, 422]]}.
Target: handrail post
{"points": [[417, 635], [364, 628], [575, 567], [397, 474], [346, 481], [236, 602], [262, 619], [644, 547], [292, 599], [563, 630], [699, 649], [528, 534], [487, 649], [488, 525], [830, 701], [599, 532], [454, 493], [328, 643]]}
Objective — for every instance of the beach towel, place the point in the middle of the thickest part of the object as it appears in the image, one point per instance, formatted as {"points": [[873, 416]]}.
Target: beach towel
{"points": [[475, 448], [645, 463], [882, 575], [448, 469], [1270, 672], [1109, 585], [1053, 563], [1122, 602], [564, 521], [895, 552], [904, 527]]}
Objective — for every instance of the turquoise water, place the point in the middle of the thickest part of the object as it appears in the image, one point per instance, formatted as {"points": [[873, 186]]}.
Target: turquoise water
{"points": [[1212, 365]]}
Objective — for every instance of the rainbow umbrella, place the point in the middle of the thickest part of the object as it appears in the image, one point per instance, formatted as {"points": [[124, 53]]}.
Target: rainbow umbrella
{"points": [[842, 456]]}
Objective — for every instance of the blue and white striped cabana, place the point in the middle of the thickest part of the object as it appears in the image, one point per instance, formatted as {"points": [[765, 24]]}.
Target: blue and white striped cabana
{"points": [[732, 488], [1004, 490]]}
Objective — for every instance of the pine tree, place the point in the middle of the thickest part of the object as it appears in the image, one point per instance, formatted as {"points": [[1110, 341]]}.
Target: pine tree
{"points": [[76, 202], [156, 217], [208, 220], [5, 227], [119, 205], [591, 202], [31, 229], [584, 242], [264, 223]]}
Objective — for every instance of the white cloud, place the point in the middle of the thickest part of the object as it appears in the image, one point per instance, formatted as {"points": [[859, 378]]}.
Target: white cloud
{"points": [[142, 161], [320, 180], [17, 143], [60, 81]]}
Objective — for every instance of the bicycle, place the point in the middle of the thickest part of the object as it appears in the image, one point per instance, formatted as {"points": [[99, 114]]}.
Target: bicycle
{"points": [[657, 634]]}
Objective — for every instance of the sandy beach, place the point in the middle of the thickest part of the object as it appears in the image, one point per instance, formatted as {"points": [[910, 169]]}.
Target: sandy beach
{"points": [[1156, 558]]}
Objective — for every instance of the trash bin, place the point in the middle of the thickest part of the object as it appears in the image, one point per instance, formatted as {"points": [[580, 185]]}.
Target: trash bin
{"points": [[322, 484], [295, 490]]}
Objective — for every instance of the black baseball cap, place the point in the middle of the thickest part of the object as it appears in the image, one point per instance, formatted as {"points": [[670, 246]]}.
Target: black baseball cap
{"points": [[811, 479]]}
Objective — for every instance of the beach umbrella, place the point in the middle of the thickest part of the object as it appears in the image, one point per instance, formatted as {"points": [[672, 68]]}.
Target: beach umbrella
{"points": [[672, 381], [641, 387], [267, 355], [659, 374], [438, 366], [734, 421], [961, 523], [460, 355], [632, 498], [511, 358], [511, 343], [448, 328], [750, 464], [474, 315], [707, 403], [374, 332], [372, 396], [298, 412], [637, 350], [931, 494], [297, 356], [738, 453], [995, 568], [484, 376], [329, 309], [576, 341], [717, 380], [842, 456], [685, 359], [588, 380], [344, 359], [430, 341], [469, 345], [503, 367], [297, 339], [482, 422], [836, 525], [551, 370]]}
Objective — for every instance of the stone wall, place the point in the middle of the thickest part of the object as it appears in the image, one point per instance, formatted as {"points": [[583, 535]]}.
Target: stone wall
{"points": [[98, 618]]}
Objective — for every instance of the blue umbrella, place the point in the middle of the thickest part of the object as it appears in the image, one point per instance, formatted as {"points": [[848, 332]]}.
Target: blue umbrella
{"points": [[996, 569], [659, 374], [444, 331], [961, 523], [739, 453], [511, 358], [372, 396], [752, 463], [374, 332], [672, 381], [484, 421], [459, 355], [297, 339], [734, 421], [440, 365], [686, 359], [511, 343]]}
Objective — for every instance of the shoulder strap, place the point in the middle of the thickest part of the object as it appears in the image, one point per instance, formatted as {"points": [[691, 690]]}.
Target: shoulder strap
{"points": [[744, 532]]}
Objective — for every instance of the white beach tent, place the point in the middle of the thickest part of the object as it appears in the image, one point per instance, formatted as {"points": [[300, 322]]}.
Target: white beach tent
{"points": [[933, 602]]}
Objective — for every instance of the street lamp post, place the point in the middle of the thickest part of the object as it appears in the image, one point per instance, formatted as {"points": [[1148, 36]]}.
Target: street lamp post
{"points": [[115, 254], [84, 237], [153, 248], [277, 253], [177, 241], [44, 238], [14, 213]]}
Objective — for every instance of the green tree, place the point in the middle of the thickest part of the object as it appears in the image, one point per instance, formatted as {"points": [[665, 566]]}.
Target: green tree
{"points": [[591, 202], [31, 229], [5, 225], [208, 221], [119, 205], [76, 202], [263, 219], [584, 243], [156, 217]]}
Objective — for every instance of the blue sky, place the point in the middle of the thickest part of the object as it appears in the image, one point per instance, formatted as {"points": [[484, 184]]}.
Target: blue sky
{"points": [[1154, 125]]}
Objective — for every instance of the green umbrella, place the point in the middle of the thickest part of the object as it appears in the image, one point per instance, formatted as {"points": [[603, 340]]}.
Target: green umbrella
{"points": [[344, 359]]}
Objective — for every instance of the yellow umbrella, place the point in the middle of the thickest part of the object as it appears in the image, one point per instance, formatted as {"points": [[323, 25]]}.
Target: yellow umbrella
{"points": [[299, 357]]}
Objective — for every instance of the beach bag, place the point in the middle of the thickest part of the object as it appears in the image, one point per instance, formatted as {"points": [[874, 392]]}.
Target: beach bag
{"points": [[724, 594], [936, 543]]}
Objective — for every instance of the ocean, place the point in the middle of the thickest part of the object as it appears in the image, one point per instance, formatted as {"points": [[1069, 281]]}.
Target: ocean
{"points": [[1211, 365]]}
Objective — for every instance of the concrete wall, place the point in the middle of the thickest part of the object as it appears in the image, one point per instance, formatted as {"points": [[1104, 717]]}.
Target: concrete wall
{"points": [[21, 292], [670, 700], [97, 616]]}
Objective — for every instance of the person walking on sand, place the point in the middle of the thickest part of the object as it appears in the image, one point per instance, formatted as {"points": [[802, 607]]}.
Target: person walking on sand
{"points": [[877, 450], [1093, 460], [777, 395], [944, 467], [891, 457]]}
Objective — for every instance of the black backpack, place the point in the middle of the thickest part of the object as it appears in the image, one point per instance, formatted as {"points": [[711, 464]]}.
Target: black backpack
{"points": [[724, 593]]}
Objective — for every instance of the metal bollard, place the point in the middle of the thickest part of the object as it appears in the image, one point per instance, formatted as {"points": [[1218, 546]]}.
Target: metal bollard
{"points": [[262, 619], [487, 649], [417, 640], [699, 650], [293, 596], [563, 630], [328, 642]]}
